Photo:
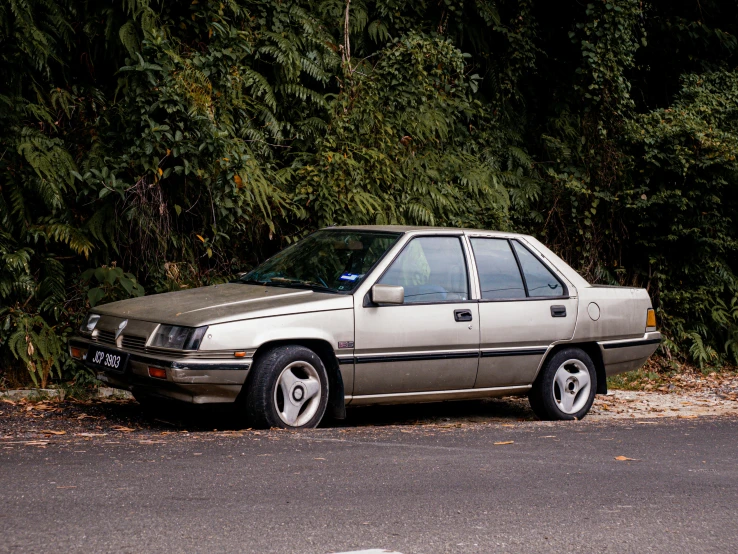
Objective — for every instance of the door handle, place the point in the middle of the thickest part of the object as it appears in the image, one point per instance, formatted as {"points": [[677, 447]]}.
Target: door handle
{"points": [[462, 315], [558, 311]]}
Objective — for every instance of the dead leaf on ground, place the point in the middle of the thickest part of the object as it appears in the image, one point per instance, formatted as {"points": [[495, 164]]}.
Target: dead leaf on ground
{"points": [[7, 401], [36, 443], [625, 459], [499, 443], [123, 429], [87, 416], [52, 432], [91, 434]]}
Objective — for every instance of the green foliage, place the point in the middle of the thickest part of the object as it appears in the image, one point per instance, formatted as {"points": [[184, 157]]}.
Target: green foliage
{"points": [[34, 343], [112, 283], [168, 145], [402, 147], [686, 160]]}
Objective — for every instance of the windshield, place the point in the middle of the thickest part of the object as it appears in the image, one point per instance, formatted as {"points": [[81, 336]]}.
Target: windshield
{"points": [[328, 260]]}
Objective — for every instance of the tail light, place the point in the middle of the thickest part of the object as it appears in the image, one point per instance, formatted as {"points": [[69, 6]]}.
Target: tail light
{"points": [[651, 318]]}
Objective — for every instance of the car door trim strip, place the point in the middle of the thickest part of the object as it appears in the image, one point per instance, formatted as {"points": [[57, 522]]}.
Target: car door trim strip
{"points": [[390, 358], [517, 352], [629, 344], [414, 357]]}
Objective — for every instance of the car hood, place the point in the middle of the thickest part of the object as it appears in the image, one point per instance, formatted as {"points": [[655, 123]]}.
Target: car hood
{"points": [[222, 303]]}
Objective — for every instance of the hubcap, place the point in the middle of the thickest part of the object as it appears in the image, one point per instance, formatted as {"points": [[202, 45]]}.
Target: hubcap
{"points": [[571, 386], [297, 394]]}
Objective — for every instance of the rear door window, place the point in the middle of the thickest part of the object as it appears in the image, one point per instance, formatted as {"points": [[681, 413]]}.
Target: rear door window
{"points": [[538, 278], [499, 275]]}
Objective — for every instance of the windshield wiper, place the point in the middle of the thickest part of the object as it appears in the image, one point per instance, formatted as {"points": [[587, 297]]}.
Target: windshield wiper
{"points": [[252, 282], [300, 283], [288, 282]]}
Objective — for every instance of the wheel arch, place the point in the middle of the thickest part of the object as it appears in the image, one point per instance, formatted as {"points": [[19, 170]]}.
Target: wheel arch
{"points": [[592, 349], [324, 350]]}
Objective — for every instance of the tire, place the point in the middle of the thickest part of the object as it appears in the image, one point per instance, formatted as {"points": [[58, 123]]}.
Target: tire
{"points": [[289, 389], [572, 370]]}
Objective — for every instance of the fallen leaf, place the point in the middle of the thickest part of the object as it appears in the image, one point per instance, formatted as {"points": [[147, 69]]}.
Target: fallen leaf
{"points": [[91, 434], [36, 443], [7, 401], [318, 458], [503, 442], [624, 459], [123, 429], [50, 432]]}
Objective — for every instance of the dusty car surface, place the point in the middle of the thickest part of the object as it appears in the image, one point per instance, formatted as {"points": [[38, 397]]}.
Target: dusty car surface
{"points": [[376, 315]]}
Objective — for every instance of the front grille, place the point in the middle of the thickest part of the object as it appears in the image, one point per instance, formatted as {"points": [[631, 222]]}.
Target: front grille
{"points": [[134, 343], [190, 354], [105, 336]]}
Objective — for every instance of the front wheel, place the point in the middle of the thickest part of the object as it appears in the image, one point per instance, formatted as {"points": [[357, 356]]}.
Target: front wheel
{"points": [[566, 386], [289, 389]]}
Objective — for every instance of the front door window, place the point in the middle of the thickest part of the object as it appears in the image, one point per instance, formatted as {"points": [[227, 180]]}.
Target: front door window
{"points": [[431, 269]]}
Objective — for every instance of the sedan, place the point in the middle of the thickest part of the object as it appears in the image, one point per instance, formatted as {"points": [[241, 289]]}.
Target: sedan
{"points": [[353, 316]]}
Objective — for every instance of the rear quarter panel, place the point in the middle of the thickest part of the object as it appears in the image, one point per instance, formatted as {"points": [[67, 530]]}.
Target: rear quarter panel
{"points": [[622, 316], [622, 313]]}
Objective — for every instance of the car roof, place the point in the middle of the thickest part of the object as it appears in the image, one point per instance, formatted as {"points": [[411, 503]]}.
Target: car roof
{"points": [[420, 229]]}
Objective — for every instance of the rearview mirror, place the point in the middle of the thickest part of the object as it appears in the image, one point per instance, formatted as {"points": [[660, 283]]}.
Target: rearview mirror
{"points": [[388, 294]]}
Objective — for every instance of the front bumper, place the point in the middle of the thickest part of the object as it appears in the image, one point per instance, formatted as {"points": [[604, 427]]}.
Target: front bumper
{"points": [[199, 381]]}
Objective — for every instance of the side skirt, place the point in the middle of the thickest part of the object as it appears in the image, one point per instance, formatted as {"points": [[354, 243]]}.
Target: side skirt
{"points": [[435, 396]]}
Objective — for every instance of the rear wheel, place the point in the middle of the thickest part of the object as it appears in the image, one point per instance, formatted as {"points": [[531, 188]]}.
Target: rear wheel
{"points": [[566, 386], [289, 389]]}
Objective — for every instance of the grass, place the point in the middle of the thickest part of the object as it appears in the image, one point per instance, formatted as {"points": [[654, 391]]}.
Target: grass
{"points": [[641, 379]]}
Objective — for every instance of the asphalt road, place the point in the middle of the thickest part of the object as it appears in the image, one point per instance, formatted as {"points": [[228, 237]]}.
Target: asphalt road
{"points": [[556, 487]]}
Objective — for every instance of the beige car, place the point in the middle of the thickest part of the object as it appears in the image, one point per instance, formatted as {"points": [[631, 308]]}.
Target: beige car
{"points": [[352, 316]]}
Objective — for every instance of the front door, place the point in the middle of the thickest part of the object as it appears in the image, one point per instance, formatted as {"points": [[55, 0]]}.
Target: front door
{"points": [[429, 343], [524, 308]]}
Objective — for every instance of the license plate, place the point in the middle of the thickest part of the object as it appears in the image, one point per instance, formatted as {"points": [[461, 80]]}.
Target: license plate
{"points": [[107, 358]]}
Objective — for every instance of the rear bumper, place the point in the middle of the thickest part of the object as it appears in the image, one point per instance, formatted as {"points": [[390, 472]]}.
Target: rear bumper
{"points": [[199, 381], [624, 355]]}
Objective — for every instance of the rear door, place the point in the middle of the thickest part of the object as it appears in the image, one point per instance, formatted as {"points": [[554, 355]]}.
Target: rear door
{"points": [[524, 307], [429, 343]]}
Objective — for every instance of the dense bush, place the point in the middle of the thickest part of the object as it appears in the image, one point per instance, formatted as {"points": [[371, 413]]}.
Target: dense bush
{"points": [[158, 145]]}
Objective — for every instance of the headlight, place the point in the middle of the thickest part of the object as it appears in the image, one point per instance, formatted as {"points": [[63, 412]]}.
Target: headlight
{"points": [[92, 320], [178, 338]]}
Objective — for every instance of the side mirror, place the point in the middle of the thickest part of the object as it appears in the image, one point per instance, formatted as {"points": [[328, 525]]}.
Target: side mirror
{"points": [[388, 294]]}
